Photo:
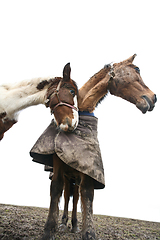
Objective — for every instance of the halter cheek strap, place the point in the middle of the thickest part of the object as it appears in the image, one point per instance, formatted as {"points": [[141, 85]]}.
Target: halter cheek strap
{"points": [[56, 92]]}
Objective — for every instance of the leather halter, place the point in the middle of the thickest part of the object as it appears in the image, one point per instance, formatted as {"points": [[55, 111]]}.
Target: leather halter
{"points": [[60, 103]]}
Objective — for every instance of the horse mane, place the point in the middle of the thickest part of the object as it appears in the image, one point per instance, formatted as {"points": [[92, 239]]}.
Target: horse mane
{"points": [[107, 66], [94, 91], [101, 99]]}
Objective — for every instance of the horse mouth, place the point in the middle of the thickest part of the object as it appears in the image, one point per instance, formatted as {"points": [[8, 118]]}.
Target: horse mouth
{"points": [[65, 127], [147, 105]]}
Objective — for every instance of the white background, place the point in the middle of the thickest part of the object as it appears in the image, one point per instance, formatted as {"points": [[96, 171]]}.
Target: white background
{"points": [[37, 38]]}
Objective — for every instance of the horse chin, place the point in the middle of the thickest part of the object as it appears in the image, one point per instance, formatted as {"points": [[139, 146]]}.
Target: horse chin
{"points": [[67, 128], [143, 109]]}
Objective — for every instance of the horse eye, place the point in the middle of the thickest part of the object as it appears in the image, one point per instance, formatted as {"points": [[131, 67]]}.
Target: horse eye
{"points": [[137, 69], [72, 92]]}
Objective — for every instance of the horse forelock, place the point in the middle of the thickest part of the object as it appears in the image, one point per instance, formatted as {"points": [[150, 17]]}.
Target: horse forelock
{"points": [[54, 82], [72, 83]]}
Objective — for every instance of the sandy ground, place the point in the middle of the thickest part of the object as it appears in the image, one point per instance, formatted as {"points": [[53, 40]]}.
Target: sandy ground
{"points": [[26, 223]]}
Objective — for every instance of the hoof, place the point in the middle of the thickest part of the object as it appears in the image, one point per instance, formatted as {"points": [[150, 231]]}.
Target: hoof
{"points": [[48, 236], [52, 238], [89, 235], [63, 228], [75, 230], [45, 237]]}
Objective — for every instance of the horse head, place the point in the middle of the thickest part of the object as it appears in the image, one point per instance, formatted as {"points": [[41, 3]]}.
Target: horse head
{"points": [[127, 83], [62, 99]]}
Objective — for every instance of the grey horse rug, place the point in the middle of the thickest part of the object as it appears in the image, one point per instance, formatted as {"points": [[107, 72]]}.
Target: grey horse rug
{"points": [[78, 149]]}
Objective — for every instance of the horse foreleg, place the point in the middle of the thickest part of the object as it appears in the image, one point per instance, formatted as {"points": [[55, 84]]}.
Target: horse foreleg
{"points": [[87, 194], [56, 192], [74, 211], [63, 225]]}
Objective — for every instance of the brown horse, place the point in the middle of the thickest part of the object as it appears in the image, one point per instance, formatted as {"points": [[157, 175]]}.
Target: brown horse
{"points": [[61, 99], [122, 79]]}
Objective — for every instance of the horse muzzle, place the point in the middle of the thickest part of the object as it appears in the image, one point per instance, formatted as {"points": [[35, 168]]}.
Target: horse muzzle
{"points": [[147, 104], [68, 125]]}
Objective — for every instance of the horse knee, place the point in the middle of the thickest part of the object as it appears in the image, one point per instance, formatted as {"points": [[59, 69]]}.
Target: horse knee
{"points": [[87, 189], [57, 181], [56, 188]]}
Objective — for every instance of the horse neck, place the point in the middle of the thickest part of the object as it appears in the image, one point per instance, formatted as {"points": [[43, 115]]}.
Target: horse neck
{"points": [[92, 82], [16, 97], [98, 89]]}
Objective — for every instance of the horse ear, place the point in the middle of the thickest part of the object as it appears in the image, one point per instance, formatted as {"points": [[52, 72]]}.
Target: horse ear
{"points": [[66, 72], [130, 59]]}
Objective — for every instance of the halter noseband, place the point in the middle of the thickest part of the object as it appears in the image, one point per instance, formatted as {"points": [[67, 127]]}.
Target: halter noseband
{"points": [[60, 103]]}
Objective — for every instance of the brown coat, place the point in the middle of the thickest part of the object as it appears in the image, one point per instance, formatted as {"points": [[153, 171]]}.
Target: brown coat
{"points": [[79, 149]]}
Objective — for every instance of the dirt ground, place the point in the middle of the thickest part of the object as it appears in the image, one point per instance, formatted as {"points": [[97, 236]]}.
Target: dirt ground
{"points": [[26, 223]]}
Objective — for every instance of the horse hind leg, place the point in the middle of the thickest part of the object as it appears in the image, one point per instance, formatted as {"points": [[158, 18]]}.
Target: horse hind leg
{"points": [[74, 211], [87, 194], [70, 190], [56, 192]]}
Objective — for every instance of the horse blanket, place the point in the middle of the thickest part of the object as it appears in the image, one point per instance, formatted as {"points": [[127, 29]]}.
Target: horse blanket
{"points": [[78, 149]]}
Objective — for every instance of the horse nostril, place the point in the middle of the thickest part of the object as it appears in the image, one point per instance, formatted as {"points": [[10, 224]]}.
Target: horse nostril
{"points": [[155, 98]]}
